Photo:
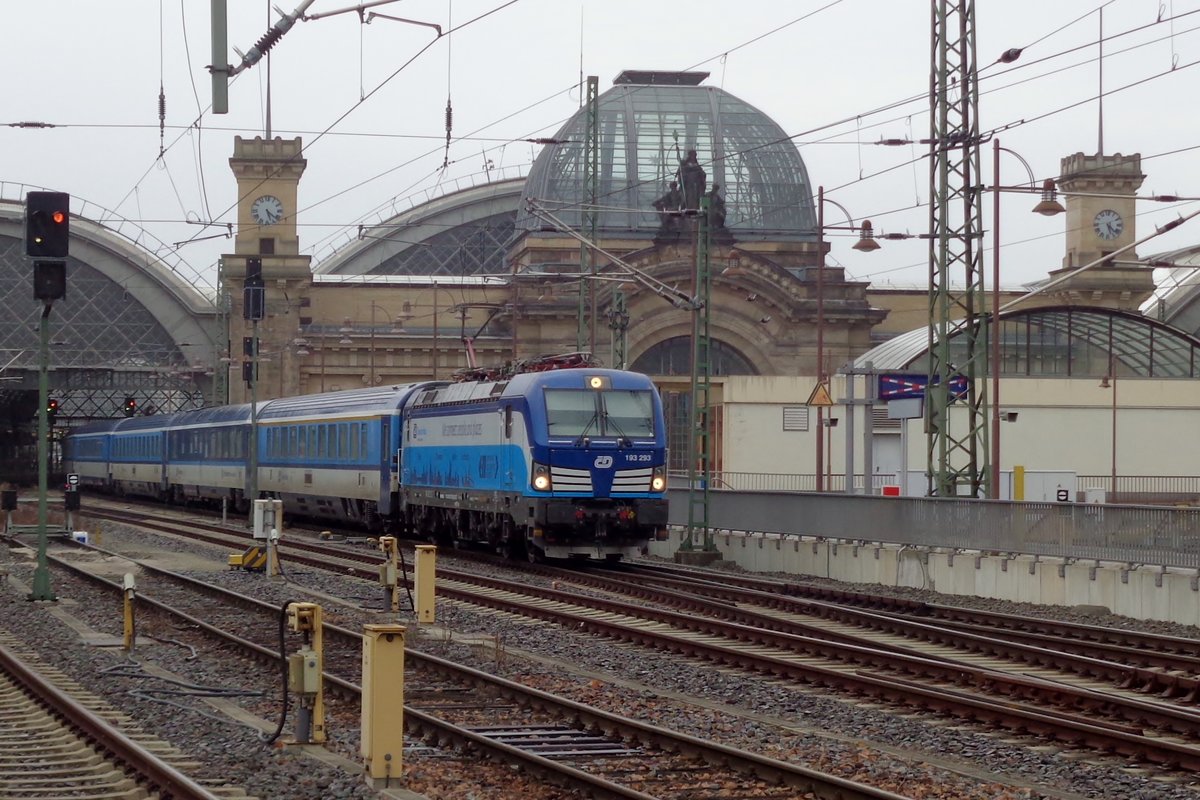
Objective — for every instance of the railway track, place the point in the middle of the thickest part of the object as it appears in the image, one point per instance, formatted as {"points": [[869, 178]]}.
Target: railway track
{"points": [[1164, 665], [58, 741], [712, 625], [951, 671], [572, 744]]}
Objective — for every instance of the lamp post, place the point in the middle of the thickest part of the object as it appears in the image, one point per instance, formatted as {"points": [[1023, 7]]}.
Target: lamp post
{"points": [[830, 424], [1049, 207], [866, 243], [397, 328], [1109, 381]]}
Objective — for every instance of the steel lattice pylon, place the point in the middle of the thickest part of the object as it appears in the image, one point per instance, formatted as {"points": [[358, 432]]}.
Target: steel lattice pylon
{"points": [[586, 334], [956, 460]]}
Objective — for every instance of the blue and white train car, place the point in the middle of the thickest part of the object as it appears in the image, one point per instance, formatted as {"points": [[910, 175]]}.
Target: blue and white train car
{"points": [[207, 454], [137, 456], [335, 455], [564, 463], [86, 452]]}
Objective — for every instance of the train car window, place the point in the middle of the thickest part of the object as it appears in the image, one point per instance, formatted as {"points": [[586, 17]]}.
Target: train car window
{"points": [[572, 412], [508, 422], [322, 442], [628, 413], [312, 440], [362, 440], [343, 440], [301, 441], [352, 431]]}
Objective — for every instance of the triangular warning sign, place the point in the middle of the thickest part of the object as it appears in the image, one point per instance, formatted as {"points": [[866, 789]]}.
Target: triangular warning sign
{"points": [[820, 396]]}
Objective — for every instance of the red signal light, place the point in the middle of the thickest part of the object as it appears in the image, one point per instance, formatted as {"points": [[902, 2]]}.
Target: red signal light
{"points": [[58, 217]]}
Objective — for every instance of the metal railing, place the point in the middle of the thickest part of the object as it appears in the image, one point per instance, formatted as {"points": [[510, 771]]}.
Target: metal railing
{"points": [[1122, 533], [1130, 489], [783, 481], [1145, 489]]}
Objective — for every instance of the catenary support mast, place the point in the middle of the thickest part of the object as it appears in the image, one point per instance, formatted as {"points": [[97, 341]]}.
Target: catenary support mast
{"points": [[957, 454]]}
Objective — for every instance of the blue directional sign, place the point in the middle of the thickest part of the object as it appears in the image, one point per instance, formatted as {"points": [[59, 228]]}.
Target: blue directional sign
{"points": [[898, 386]]}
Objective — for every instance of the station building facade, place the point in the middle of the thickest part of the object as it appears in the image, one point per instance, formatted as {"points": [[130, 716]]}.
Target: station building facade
{"points": [[492, 272]]}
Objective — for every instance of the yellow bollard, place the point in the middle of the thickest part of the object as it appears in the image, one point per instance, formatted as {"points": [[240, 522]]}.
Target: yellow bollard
{"points": [[381, 740], [425, 572], [130, 637]]}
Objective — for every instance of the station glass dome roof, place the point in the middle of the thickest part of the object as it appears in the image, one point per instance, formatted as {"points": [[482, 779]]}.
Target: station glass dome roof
{"points": [[1061, 342], [647, 123]]}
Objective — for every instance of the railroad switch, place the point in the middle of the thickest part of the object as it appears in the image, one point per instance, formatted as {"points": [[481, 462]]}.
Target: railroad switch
{"points": [[305, 672], [389, 572]]}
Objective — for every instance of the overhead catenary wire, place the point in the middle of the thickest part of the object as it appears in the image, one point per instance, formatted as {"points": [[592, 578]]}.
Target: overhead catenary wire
{"points": [[724, 52]]}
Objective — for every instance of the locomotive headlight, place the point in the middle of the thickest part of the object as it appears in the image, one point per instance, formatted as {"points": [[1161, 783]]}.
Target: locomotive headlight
{"points": [[541, 477], [659, 482]]}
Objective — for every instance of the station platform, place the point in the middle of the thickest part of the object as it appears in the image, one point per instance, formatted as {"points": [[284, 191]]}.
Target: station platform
{"points": [[1141, 591]]}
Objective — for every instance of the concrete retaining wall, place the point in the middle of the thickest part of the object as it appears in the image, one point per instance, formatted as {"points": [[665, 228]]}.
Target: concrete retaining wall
{"points": [[1139, 591]]}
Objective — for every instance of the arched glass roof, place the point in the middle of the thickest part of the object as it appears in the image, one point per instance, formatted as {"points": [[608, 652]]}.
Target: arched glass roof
{"points": [[648, 122], [1064, 342]]}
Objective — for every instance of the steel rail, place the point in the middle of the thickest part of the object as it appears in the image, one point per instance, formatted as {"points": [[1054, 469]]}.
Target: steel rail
{"points": [[149, 770], [823, 785]]}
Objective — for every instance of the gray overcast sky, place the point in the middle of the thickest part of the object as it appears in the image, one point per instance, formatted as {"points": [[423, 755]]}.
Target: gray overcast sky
{"points": [[96, 67]]}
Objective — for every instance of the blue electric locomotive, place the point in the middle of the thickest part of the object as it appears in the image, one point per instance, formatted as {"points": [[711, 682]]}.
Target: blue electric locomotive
{"points": [[565, 463]]}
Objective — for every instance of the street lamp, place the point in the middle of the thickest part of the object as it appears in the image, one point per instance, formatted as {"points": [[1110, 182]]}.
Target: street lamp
{"points": [[830, 423], [396, 328], [1049, 207], [866, 243]]}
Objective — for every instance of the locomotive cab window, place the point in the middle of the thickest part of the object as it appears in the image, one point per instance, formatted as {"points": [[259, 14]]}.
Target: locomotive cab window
{"points": [[612, 412], [629, 413], [571, 412]]}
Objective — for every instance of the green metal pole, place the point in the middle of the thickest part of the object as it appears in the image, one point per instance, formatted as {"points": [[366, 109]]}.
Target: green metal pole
{"points": [[41, 575], [253, 416], [699, 452]]}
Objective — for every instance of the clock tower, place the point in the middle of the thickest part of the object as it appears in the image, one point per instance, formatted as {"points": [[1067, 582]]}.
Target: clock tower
{"points": [[268, 177], [1100, 200]]}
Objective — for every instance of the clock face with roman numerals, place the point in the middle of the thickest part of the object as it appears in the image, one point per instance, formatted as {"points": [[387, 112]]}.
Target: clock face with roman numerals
{"points": [[1108, 224], [267, 210]]}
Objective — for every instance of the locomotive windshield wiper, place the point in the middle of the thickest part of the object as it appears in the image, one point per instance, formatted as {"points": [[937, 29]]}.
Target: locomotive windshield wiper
{"points": [[622, 439], [583, 433]]}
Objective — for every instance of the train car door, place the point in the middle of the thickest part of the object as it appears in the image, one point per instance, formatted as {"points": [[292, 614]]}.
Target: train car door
{"points": [[160, 441], [506, 449], [388, 465]]}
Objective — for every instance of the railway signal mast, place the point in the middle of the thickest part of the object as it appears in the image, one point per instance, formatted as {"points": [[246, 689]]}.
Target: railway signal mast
{"points": [[47, 241]]}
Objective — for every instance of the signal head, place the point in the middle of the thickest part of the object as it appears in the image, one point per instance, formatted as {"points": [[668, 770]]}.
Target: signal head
{"points": [[47, 224]]}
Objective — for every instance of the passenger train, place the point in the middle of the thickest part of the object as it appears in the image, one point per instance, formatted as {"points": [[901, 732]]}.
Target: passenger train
{"points": [[550, 460]]}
